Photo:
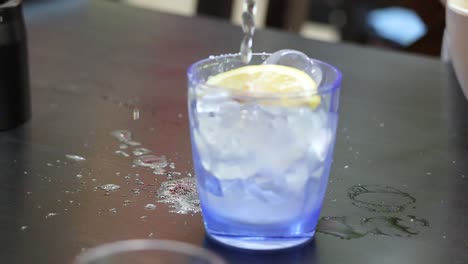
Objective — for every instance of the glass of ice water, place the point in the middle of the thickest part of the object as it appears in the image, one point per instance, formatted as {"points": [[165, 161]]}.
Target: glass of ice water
{"points": [[146, 251], [262, 161]]}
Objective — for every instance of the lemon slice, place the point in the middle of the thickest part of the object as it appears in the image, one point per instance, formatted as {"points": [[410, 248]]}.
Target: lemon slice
{"points": [[269, 79]]}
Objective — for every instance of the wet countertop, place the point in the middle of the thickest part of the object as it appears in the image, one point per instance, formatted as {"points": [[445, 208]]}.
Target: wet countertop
{"points": [[109, 94]]}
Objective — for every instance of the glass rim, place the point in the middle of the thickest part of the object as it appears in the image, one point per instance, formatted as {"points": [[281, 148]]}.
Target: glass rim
{"points": [[457, 9], [321, 89], [136, 245], [11, 3]]}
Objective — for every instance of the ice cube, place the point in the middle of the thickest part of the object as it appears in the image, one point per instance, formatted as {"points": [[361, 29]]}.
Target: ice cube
{"points": [[320, 144], [237, 169], [203, 150], [212, 184], [267, 187], [297, 176], [296, 59], [210, 103]]}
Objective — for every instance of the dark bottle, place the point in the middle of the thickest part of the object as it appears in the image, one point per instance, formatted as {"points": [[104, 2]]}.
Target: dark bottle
{"points": [[15, 105]]}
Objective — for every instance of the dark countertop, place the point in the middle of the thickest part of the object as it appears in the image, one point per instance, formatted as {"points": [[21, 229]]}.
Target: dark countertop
{"points": [[402, 133]]}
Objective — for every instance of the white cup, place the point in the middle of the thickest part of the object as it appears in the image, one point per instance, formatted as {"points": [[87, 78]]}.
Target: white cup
{"points": [[457, 27]]}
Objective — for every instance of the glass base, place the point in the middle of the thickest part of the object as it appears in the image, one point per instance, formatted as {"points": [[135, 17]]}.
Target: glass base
{"points": [[261, 243]]}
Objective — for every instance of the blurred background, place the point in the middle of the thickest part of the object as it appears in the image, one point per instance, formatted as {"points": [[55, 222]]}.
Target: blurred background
{"points": [[407, 25]]}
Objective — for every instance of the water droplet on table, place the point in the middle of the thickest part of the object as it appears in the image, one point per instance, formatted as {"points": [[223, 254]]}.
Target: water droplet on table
{"points": [[24, 228], [157, 163], [139, 182], [122, 153], [150, 206], [49, 215], [144, 217], [79, 176], [141, 151], [109, 187], [75, 157], [159, 171], [136, 114], [346, 166], [133, 143], [123, 146], [125, 137], [122, 135], [113, 210]]}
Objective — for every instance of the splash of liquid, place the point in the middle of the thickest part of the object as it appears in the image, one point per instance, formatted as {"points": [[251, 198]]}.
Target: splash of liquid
{"points": [[248, 27], [395, 226], [181, 195], [341, 226], [380, 198], [347, 227]]}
